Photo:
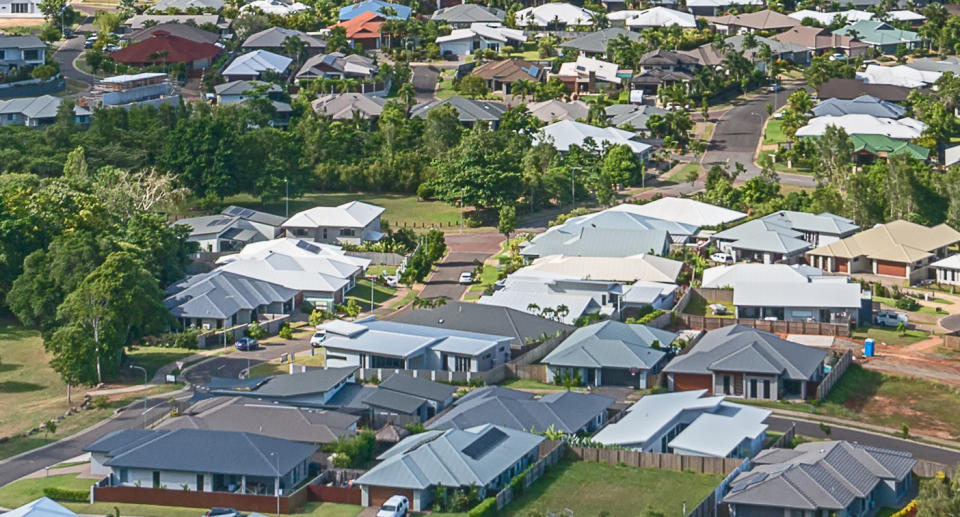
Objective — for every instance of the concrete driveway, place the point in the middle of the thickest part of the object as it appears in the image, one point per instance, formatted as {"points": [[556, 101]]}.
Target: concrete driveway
{"points": [[464, 248], [424, 81]]}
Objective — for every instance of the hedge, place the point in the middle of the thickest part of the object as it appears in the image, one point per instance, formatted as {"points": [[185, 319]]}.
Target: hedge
{"points": [[650, 317], [486, 508], [67, 494]]}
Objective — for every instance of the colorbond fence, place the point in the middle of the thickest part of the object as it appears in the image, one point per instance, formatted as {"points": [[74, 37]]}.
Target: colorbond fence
{"points": [[823, 389], [696, 322], [550, 452]]}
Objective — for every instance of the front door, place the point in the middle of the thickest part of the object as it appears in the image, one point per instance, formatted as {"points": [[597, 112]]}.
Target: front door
{"points": [[156, 479], [199, 482], [766, 389], [753, 388]]}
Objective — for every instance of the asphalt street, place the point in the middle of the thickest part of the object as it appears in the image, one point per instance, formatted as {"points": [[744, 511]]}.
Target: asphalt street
{"points": [[424, 81], [464, 249], [65, 55], [232, 365]]}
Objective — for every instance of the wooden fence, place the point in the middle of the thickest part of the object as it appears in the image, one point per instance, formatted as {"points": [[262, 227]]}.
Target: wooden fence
{"points": [[785, 441], [952, 341], [167, 497], [550, 452], [655, 460], [929, 469], [836, 372], [378, 258], [697, 322], [714, 294]]}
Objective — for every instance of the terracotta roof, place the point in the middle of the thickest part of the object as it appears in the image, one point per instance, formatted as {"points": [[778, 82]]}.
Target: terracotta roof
{"points": [[178, 50], [853, 88], [817, 38], [509, 71], [363, 26]]}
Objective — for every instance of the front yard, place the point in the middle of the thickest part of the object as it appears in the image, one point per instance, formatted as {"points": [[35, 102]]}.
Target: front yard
{"points": [[361, 294], [889, 335]]}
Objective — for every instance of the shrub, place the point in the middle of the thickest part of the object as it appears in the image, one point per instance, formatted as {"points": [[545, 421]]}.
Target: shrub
{"points": [[100, 401], [256, 331], [473, 221], [285, 331], [486, 508], [426, 191], [319, 316], [907, 304], [67, 494]]}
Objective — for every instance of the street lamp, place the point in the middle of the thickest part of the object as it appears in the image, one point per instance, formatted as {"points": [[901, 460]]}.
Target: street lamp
{"points": [[286, 199], [276, 489], [144, 370], [760, 118]]}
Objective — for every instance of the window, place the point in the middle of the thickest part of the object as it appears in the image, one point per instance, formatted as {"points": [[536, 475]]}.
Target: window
{"points": [[461, 364], [31, 55], [347, 232], [324, 234], [20, 8]]}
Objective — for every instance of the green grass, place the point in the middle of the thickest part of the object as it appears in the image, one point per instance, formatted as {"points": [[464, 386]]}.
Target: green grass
{"points": [[274, 367], [21, 492], [774, 133], [890, 335], [924, 309], [585, 488], [800, 167], [361, 293], [485, 280], [701, 307], [445, 87], [527, 384], [681, 174], [152, 358], [381, 270], [405, 299]]}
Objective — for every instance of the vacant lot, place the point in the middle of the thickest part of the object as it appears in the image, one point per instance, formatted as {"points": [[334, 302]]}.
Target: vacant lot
{"points": [[889, 335], [590, 488]]}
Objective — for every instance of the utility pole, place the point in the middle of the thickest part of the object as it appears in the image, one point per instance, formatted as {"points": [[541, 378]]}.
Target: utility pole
{"points": [[286, 199], [144, 370]]}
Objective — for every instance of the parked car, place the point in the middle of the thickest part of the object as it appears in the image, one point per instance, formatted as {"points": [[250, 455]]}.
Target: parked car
{"points": [[774, 87], [722, 258], [222, 511], [892, 318], [396, 506], [837, 57], [318, 338], [391, 280], [466, 277], [88, 43], [246, 344]]}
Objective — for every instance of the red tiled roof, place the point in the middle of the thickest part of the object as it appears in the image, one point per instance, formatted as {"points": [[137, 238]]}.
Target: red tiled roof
{"points": [[178, 50], [366, 25]]}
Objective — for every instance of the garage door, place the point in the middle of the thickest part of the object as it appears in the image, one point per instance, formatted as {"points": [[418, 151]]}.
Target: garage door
{"points": [[891, 268], [380, 494], [842, 265], [687, 381]]}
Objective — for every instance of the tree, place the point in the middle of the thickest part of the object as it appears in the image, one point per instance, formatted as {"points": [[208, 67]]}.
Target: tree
{"points": [[407, 94], [483, 170], [296, 49], [620, 164], [441, 131], [938, 495], [473, 86], [508, 220], [523, 88], [834, 156]]}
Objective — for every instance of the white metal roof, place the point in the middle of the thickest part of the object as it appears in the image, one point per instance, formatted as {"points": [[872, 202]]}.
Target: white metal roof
{"points": [[683, 210], [565, 133], [253, 63], [717, 435], [903, 129], [355, 214], [131, 77], [815, 293], [543, 15], [661, 17], [735, 274]]}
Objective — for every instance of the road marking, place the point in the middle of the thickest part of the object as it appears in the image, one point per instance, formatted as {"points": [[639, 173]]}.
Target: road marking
{"points": [[221, 366]]}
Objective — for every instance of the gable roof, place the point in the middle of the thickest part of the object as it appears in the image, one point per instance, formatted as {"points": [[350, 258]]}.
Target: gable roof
{"points": [[769, 235], [352, 65], [660, 16], [353, 214], [182, 30], [376, 6], [418, 387], [469, 13], [759, 20], [38, 108], [509, 70], [468, 110], [253, 63], [584, 66], [173, 48], [611, 344], [597, 42], [896, 241], [43, 507], [683, 210], [564, 13], [881, 145], [566, 133], [737, 348], [451, 458], [554, 110], [879, 33], [864, 105], [220, 294], [342, 106], [816, 38], [363, 26], [275, 36]]}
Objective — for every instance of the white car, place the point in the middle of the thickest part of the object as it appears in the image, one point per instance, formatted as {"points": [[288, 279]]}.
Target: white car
{"points": [[396, 506], [317, 339], [722, 258], [892, 318], [466, 277], [391, 280], [774, 87]]}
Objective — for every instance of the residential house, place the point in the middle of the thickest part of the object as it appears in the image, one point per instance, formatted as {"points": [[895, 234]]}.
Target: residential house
{"points": [[142, 21], [648, 82], [853, 88], [386, 9], [486, 457], [500, 75], [730, 276], [701, 8], [642, 267], [337, 66], [553, 110], [823, 299], [590, 241], [827, 19], [547, 242], [313, 388], [899, 248], [862, 105], [568, 412], [354, 222], [469, 111], [232, 228], [21, 51], [594, 44], [20, 9], [662, 68], [275, 7], [462, 16], [555, 15], [43, 507], [565, 298], [166, 48], [363, 30], [762, 240], [765, 20], [947, 270], [823, 478], [566, 133], [881, 36], [870, 148], [821, 41], [123, 91], [687, 422], [899, 75], [524, 328], [480, 36], [273, 39], [401, 394], [588, 75], [181, 30], [902, 129], [346, 106], [659, 16], [631, 116], [38, 112], [220, 299], [206, 461], [950, 64], [370, 343], [182, 6], [242, 91], [684, 211], [710, 55], [610, 353], [250, 66], [315, 426]]}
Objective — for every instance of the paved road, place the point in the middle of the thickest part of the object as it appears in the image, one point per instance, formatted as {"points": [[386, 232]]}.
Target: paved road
{"points": [[919, 450], [65, 55], [231, 365], [464, 248], [132, 418], [424, 81]]}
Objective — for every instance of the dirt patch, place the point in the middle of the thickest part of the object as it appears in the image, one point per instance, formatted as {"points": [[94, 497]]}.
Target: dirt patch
{"points": [[7, 23]]}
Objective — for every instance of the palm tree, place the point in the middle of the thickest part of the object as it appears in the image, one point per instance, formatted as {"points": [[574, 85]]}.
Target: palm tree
{"points": [[523, 87], [296, 49], [160, 55], [407, 94]]}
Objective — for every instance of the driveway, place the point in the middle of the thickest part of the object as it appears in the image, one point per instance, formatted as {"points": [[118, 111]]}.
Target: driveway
{"points": [[66, 54], [233, 364], [464, 248], [424, 81]]}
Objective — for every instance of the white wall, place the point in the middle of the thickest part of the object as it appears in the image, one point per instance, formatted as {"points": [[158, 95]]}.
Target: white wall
{"points": [[459, 48], [172, 479]]}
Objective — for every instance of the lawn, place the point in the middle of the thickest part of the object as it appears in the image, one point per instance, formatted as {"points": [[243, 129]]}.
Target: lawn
{"points": [[924, 309], [21, 492], [401, 210], [143, 510], [274, 367], [152, 358], [800, 167], [681, 174], [445, 85], [774, 133], [700, 307], [586, 488], [485, 280], [527, 384], [381, 270], [890, 335], [361, 293]]}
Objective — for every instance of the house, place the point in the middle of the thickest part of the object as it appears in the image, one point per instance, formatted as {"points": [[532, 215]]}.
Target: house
{"points": [[486, 457], [522, 327], [166, 48], [853, 88], [684, 211], [272, 39], [371, 343], [43, 507], [763, 240], [589, 241], [181, 30], [610, 353], [899, 75], [500, 75], [363, 30], [346, 106], [480, 36], [881, 36], [401, 394], [765, 20], [142, 21], [862, 105], [723, 277], [275, 7], [551, 242], [827, 19], [554, 15], [143, 89], [354, 222], [313, 388], [950, 64], [821, 41], [648, 82], [462, 16], [869, 148], [220, 299], [566, 299], [554, 110], [947, 270], [687, 422], [821, 298], [386, 9], [566, 133], [20, 9], [642, 267], [235, 226], [593, 44], [250, 66], [323, 273], [823, 478], [336, 65], [21, 51], [709, 55], [568, 412], [899, 249], [659, 16], [182, 6], [242, 91], [469, 111], [38, 112], [701, 8], [665, 60], [206, 461], [902, 129], [588, 75], [744, 362], [315, 426], [632, 116]]}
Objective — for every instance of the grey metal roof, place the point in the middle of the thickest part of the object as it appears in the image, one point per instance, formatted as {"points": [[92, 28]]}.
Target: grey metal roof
{"points": [[219, 295], [42, 107], [597, 42], [817, 475], [395, 401], [862, 105], [418, 387], [240, 88], [274, 37], [472, 317], [565, 411], [183, 5], [451, 458], [216, 452], [21, 42], [343, 106], [469, 13], [738, 348], [598, 242], [120, 439], [317, 380], [631, 115], [833, 292], [405, 340], [468, 110], [611, 344], [824, 222]]}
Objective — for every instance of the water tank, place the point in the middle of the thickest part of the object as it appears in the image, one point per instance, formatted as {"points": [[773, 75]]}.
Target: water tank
{"points": [[868, 347]]}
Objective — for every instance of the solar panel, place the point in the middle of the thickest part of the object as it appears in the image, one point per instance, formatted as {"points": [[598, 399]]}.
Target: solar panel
{"points": [[307, 246], [233, 210], [484, 443]]}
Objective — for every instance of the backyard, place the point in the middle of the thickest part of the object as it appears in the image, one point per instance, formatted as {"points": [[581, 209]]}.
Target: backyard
{"points": [[362, 291], [585, 488], [700, 306]]}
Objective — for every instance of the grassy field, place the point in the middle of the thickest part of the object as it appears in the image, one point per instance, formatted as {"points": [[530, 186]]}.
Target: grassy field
{"points": [[381, 270], [361, 293], [924, 309], [798, 167], [700, 307], [486, 279], [774, 133], [890, 335], [589, 488], [152, 358], [21, 492], [681, 174], [527, 384], [275, 368], [445, 86]]}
